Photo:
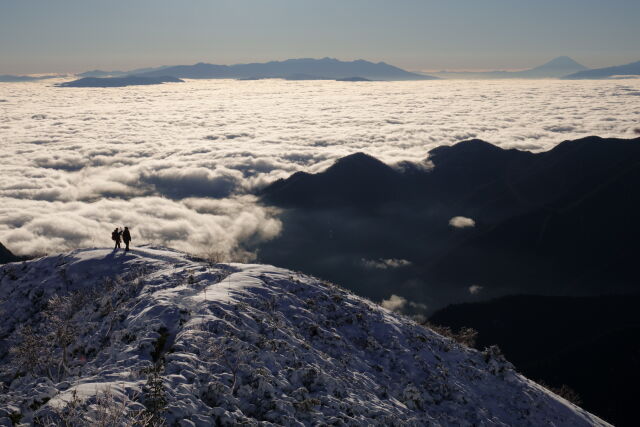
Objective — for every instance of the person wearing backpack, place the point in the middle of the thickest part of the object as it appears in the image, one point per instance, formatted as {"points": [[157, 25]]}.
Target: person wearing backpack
{"points": [[126, 238], [115, 236]]}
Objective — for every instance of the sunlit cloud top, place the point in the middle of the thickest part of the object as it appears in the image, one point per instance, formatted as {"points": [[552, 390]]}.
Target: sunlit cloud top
{"points": [[177, 163]]}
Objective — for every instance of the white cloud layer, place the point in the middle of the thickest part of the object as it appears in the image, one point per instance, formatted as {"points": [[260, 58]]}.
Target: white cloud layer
{"points": [[175, 162]]}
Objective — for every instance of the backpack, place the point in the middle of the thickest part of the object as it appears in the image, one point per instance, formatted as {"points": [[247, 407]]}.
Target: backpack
{"points": [[114, 235]]}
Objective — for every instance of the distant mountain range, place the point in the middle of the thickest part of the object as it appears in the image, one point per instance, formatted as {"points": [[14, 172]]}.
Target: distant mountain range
{"points": [[291, 69], [10, 78], [564, 340], [119, 81], [557, 67], [101, 73], [561, 222], [632, 69], [359, 70]]}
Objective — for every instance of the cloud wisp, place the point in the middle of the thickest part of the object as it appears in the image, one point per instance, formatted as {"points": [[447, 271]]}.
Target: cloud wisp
{"points": [[475, 289], [400, 304], [384, 264], [462, 222]]}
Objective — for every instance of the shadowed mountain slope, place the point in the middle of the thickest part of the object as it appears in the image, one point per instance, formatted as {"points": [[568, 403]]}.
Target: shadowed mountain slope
{"points": [[115, 73], [632, 69], [561, 222], [561, 339], [119, 81], [577, 236], [295, 69], [7, 256], [236, 344], [557, 67], [355, 179]]}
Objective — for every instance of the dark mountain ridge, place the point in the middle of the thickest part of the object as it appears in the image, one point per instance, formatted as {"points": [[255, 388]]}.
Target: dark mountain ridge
{"points": [[576, 235], [560, 222], [357, 178], [466, 168], [471, 173], [7, 256]]}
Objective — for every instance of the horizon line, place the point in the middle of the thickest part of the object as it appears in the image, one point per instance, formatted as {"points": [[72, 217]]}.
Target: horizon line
{"points": [[420, 71]]}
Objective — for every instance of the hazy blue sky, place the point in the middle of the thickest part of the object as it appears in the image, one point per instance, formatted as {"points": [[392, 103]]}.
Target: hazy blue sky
{"points": [[76, 35]]}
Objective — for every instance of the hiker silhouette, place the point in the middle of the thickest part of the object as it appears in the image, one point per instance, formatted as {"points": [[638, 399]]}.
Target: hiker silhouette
{"points": [[126, 237], [115, 236]]}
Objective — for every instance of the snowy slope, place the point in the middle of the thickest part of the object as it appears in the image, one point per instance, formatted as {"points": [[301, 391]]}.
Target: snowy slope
{"points": [[241, 343]]}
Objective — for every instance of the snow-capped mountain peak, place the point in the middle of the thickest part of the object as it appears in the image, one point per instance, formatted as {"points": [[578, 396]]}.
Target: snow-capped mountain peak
{"points": [[154, 332]]}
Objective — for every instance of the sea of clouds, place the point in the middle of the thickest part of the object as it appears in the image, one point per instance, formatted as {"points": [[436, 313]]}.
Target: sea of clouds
{"points": [[177, 163]]}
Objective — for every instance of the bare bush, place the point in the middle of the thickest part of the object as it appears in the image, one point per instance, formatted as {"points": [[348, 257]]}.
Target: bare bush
{"points": [[565, 392], [68, 415], [45, 347], [45, 350], [31, 352], [105, 410], [226, 351], [62, 330], [465, 336], [109, 411], [114, 292], [213, 256]]}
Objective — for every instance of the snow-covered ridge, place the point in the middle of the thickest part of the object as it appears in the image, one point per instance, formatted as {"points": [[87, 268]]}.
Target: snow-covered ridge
{"points": [[239, 343]]}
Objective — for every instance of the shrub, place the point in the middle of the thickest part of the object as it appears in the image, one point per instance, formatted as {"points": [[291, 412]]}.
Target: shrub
{"points": [[31, 352], [155, 395], [465, 336], [62, 330], [105, 411], [565, 392]]}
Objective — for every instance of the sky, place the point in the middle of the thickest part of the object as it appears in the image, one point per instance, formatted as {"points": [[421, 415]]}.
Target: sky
{"points": [[43, 36]]}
